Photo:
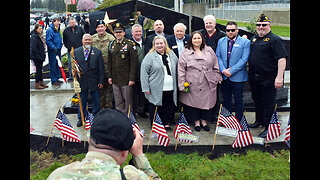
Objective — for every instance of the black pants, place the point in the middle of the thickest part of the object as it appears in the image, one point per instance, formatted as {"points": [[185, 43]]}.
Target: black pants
{"points": [[263, 93], [38, 75], [166, 111]]}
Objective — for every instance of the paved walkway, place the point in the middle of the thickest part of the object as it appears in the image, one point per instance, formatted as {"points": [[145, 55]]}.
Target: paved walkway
{"points": [[44, 105]]}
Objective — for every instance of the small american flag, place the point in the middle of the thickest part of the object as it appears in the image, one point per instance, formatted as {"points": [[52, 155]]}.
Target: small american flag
{"points": [[228, 120], [134, 123], [158, 128], [182, 127], [89, 118], [67, 131], [287, 135], [244, 137], [274, 127], [31, 128]]}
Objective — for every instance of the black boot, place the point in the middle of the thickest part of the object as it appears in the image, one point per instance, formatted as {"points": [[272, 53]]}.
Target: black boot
{"points": [[79, 123], [255, 124]]}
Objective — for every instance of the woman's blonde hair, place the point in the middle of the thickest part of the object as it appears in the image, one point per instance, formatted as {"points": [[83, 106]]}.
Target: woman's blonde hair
{"points": [[167, 49]]}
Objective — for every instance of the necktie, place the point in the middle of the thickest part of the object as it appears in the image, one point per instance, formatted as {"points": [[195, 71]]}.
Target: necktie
{"points": [[231, 42], [87, 54]]}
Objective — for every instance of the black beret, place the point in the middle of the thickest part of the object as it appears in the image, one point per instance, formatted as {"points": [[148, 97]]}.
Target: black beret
{"points": [[100, 21], [113, 128], [118, 26], [263, 18]]}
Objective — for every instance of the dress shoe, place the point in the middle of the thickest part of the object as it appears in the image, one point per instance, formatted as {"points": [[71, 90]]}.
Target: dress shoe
{"points": [[197, 128], [206, 128], [263, 134], [79, 123], [255, 125], [38, 86], [167, 128], [43, 84], [56, 83]]}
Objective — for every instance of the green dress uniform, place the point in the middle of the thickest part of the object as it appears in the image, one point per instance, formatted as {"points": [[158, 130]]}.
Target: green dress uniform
{"points": [[102, 43]]}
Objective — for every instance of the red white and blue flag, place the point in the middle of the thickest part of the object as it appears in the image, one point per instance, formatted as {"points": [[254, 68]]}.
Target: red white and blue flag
{"points": [[134, 123], [244, 137], [274, 127], [287, 135], [182, 127], [158, 128], [89, 118], [67, 131], [228, 119]]}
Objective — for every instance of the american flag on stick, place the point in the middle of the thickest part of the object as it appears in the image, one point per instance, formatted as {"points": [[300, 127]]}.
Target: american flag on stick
{"points": [[158, 128], [287, 135], [182, 127], [274, 127], [244, 137], [134, 122], [228, 119], [89, 118], [68, 133]]}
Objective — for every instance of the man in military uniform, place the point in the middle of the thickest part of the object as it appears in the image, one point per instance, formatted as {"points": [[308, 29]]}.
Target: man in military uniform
{"points": [[111, 139], [122, 67], [267, 63], [101, 41]]}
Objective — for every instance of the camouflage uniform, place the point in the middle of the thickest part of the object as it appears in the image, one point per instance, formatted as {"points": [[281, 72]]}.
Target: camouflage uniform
{"points": [[97, 165], [102, 43]]}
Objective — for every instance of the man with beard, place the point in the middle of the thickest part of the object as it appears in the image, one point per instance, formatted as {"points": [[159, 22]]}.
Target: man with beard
{"points": [[267, 63]]}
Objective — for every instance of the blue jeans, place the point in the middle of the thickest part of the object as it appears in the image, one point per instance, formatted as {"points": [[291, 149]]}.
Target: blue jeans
{"points": [[55, 71], [236, 88], [95, 96]]}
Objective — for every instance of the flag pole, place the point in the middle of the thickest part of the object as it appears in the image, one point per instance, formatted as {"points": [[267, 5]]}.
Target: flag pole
{"points": [[152, 126], [129, 111], [175, 148], [215, 134], [275, 108], [52, 127]]}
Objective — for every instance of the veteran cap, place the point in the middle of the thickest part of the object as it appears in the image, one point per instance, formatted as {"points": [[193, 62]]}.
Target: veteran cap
{"points": [[113, 128], [100, 21], [118, 27], [263, 18]]}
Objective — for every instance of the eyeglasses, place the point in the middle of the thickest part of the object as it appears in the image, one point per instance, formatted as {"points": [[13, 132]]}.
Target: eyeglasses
{"points": [[263, 25], [232, 30]]}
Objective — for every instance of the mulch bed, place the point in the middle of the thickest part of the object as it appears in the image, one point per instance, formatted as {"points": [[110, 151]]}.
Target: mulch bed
{"points": [[38, 143]]}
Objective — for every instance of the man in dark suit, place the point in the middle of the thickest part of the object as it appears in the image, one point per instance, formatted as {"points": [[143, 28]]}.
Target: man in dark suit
{"points": [[179, 39], [92, 67], [158, 27]]}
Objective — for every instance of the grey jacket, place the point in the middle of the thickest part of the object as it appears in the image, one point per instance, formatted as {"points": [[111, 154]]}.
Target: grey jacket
{"points": [[152, 77]]}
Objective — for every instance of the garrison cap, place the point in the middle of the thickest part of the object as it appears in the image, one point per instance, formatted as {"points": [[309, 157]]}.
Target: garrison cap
{"points": [[100, 21], [118, 26], [113, 128], [263, 18]]}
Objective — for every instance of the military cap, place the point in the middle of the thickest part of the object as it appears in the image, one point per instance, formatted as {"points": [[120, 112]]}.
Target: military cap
{"points": [[113, 128], [263, 18], [118, 26], [100, 21]]}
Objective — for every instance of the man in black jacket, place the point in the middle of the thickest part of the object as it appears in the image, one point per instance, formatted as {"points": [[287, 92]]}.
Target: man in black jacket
{"points": [[72, 37], [211, 33], [91, 63]]}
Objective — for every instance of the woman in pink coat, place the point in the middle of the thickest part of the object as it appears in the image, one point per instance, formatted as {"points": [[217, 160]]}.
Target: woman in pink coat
{"points": [[198, 66]]}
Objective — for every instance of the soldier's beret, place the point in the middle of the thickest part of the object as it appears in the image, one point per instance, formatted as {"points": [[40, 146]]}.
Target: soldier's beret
{"points": [[118, 26], [99, 21], [263, 18], [113, 128]]}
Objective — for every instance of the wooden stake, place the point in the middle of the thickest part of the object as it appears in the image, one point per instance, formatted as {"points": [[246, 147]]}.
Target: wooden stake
{"points": [[152, 126], [215, 134]]}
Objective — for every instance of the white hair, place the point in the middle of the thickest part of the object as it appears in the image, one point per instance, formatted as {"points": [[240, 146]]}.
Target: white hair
{"points": [[136, 25], [207, 17], [181, 25]]}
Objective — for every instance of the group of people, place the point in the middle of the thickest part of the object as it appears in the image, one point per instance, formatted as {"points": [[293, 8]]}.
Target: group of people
{"points": [[167, 72]]}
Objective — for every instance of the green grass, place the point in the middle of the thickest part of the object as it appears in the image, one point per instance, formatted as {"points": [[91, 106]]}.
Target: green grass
{"points": [[278, 30], [254, 165]]}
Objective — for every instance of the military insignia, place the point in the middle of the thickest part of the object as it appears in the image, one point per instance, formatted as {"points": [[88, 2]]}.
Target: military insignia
{"points": [[134, 47], [134, 43], [112, 47], [266, 39], [254, 40], [123, 56], [117, 25], [92, 53], [125, 47]]}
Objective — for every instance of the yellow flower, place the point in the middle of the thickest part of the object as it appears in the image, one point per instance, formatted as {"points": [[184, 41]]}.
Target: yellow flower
{"points": [[186, 84]]}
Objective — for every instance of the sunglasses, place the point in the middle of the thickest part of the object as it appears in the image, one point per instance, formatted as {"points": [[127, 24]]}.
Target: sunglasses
{"points": [[232, 30], [263, 25]]}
